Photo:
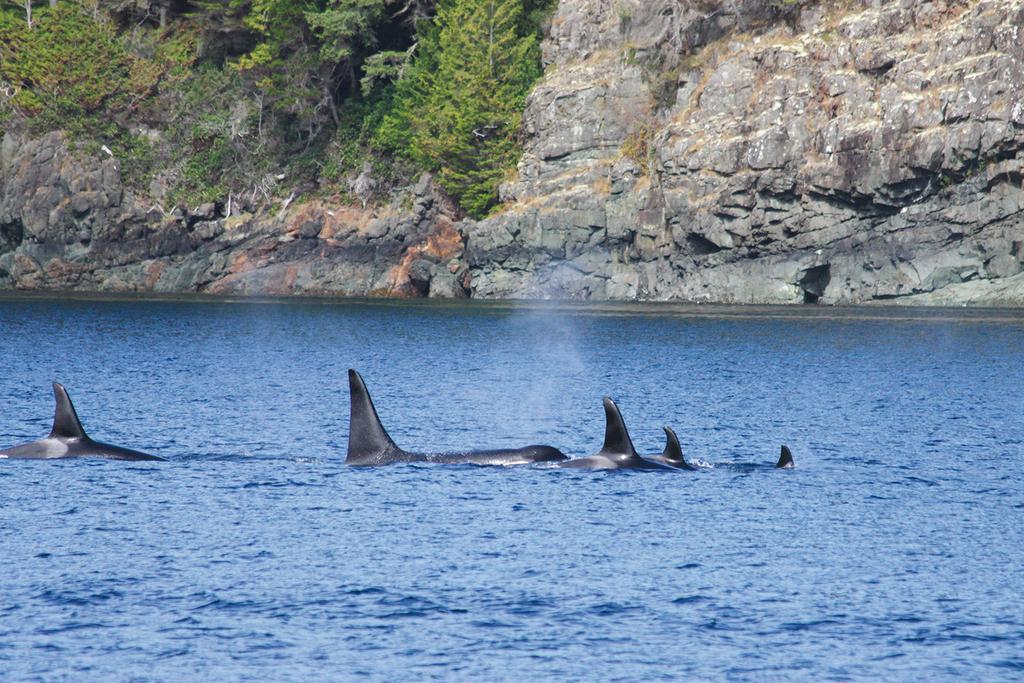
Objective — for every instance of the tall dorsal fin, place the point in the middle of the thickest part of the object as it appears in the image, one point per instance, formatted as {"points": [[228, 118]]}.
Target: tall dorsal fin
{"points": [[616, 438], [366, 435], [65, 419], [785, 458], [673, 452]]}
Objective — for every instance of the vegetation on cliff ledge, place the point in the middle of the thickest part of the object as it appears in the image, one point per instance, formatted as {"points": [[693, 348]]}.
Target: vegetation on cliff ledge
{"points": [[254, 100]]}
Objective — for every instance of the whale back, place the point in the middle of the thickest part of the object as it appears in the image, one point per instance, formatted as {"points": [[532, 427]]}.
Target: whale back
{"points": [[66, 424], [367, 439]]}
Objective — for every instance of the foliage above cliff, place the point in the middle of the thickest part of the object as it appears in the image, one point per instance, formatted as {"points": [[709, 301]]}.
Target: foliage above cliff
{"points": [[68, 67], [219, 97]]}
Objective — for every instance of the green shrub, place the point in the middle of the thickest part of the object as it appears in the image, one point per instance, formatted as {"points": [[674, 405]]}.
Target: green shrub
{"points": [[76, 74], [70, 68]]}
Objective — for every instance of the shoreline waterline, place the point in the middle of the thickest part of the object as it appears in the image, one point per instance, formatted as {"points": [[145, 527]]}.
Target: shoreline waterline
{"points": [[669, 309]]}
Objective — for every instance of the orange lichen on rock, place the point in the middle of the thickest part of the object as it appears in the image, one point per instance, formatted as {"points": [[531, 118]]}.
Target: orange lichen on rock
{"points": [[307, 212], [442, 244], [445, 242], [335, 219], [60, 270], [153, 272], [291, 274], [398, 277], [240, 263], [344, 220]]}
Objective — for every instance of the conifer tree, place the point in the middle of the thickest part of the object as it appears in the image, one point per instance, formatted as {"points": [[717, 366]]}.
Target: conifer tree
{"points": [[466, 111], [345, 26]]}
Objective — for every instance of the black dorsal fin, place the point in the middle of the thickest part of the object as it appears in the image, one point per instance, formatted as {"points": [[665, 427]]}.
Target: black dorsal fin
{"points": [[616, 438], [366, 435], [673, 452], [65, 419], [785, 458]]}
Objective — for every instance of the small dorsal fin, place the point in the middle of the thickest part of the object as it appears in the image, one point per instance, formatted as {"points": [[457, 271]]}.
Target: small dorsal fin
{"points": [[366, 435], [673, 452], [785, 458], [65, 419], [616, 438]]}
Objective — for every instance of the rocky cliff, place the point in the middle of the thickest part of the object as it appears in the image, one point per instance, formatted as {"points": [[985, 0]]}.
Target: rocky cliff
{"points": [[769, 152], [702, 150], [68, 223]]}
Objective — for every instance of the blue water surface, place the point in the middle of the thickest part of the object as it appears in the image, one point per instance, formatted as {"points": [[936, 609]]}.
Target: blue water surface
{"points": [[893, 550]]}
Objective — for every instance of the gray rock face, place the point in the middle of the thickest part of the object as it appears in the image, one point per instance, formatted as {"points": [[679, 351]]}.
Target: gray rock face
{"points": [[59, 214], [759, 153], [67, 223]]}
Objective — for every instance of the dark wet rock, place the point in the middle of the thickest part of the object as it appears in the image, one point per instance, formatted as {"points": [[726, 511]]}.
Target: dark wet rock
{"points": [[310, 229], [421, 272]]}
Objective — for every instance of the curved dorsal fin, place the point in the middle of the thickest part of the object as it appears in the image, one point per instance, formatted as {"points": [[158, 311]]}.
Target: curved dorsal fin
{"points": [[366, 435], [616, 438], [673, 452], [785, 458], [65, 419]]}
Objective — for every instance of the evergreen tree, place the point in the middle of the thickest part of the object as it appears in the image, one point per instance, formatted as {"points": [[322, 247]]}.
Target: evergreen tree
{"points": [[346, 26], [464, 110], [279, 24]]}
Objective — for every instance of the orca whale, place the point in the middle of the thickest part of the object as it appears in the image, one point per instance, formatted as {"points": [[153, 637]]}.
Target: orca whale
{"points": [[617, 453], [785, 459], [68, 439], [369, 444], [673, 453]]}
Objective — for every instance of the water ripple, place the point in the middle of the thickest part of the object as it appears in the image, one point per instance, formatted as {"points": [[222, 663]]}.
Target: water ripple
{"points": [[889, 553]]}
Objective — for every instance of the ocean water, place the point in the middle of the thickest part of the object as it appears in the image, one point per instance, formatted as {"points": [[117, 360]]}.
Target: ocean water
{"points": [[894, 550]]}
